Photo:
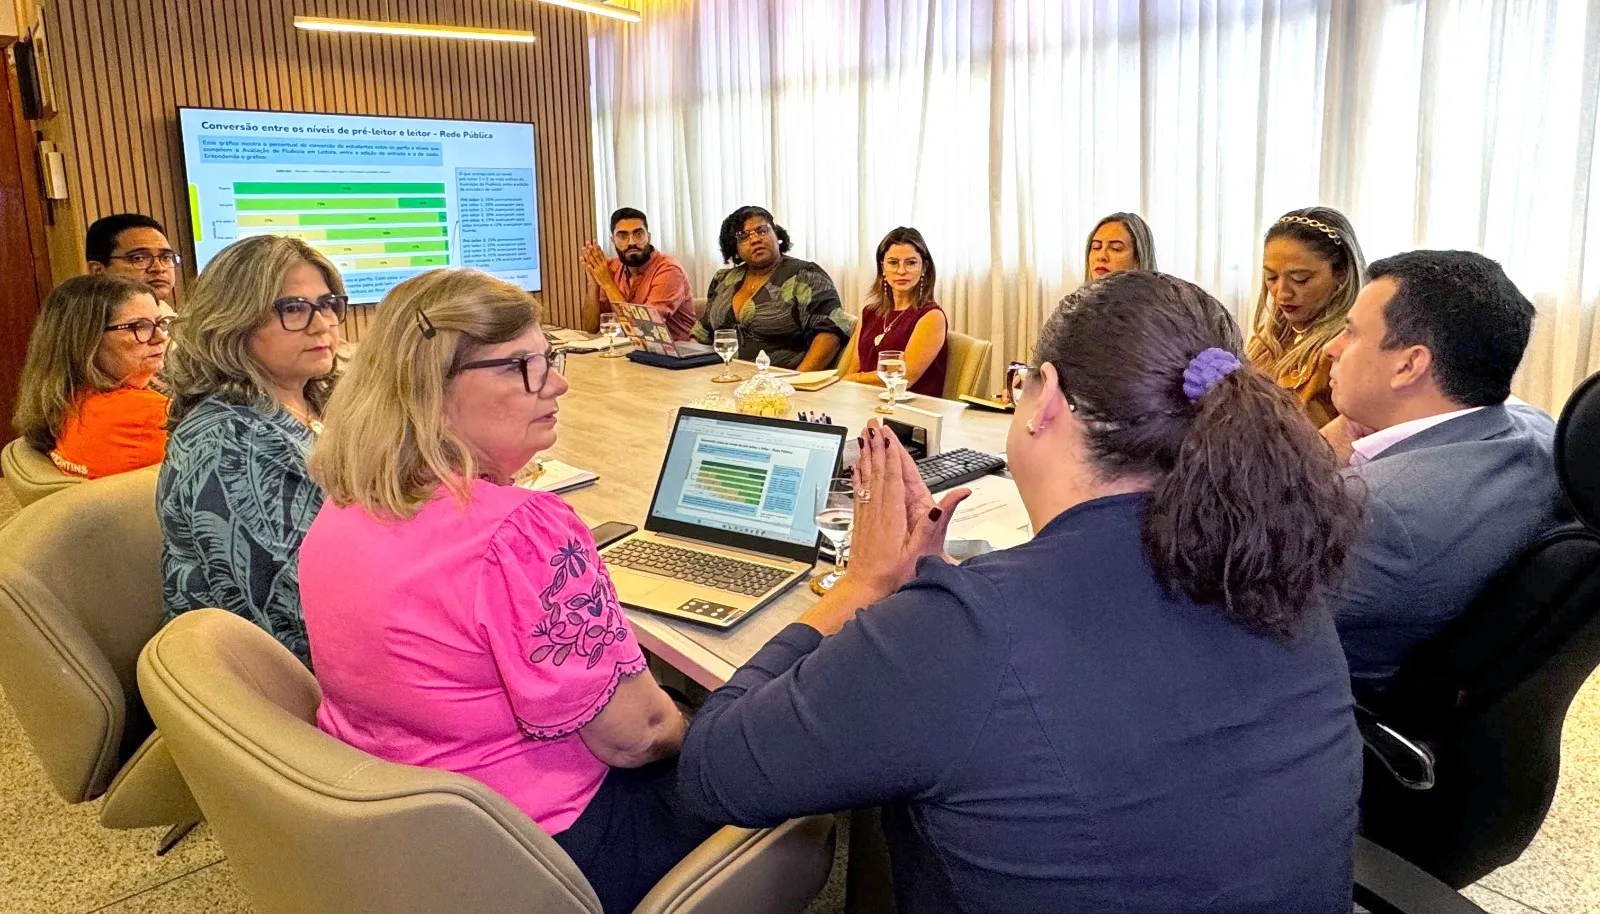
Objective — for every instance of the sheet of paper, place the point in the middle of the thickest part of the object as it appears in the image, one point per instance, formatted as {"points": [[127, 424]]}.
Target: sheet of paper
{"points": [[599, 344], [994, 501], [997, 535], [569, 336], [810, 377]]}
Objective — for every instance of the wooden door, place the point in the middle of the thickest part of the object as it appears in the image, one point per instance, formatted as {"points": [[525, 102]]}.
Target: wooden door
{"points": [[24, 267]]}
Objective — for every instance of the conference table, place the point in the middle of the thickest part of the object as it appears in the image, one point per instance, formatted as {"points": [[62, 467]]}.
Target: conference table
{"points": [[615, 421]]}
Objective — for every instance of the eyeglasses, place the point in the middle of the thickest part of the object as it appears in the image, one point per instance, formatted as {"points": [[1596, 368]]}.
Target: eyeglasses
{"points": [[295, 311], [534, 377], [143, 258], [144, 329], [760, 231]]}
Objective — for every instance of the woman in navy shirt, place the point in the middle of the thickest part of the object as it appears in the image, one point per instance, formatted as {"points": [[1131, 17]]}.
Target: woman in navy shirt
{"points": [[1143, 709]]}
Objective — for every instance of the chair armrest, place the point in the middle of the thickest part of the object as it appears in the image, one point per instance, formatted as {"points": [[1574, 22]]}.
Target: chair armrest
{"points": [[753, 871], [1410, 762], [1388, 884]]}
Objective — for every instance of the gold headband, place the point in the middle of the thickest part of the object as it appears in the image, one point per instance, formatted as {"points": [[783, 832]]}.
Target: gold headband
{"points": [[1324, 228]]}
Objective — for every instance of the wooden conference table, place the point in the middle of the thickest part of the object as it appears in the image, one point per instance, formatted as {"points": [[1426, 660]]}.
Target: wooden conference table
{"points": [[616, 420]]}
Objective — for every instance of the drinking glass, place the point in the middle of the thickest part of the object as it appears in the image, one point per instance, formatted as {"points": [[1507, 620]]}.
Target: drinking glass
{"points": [[611, 329], [726, 343], [836, 512], [892, 372]]}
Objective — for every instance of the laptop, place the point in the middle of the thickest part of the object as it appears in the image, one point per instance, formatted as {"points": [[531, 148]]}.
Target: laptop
{"points": [[732, 524], [646, 327]]}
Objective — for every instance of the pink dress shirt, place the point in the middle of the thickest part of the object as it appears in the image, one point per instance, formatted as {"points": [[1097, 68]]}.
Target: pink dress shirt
{"points": [[477, 639]]}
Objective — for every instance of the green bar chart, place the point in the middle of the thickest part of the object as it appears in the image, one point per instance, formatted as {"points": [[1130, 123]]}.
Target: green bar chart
{"points": [[359, 225]]}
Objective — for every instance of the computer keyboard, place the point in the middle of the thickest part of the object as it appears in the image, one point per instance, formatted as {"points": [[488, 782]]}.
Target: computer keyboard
{"points": [[703, 568], [953, 468]]}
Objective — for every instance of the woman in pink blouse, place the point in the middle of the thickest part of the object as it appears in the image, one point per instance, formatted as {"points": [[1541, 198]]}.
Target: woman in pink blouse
{"points": [[459, 622]]}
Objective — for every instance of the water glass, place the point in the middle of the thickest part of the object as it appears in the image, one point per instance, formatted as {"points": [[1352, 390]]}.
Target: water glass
{"points": [[892, 372], [836, 512], [726, 343], [611, 329]]}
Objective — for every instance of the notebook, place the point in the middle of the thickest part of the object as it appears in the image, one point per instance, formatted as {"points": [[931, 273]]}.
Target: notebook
{"points": [[545, 475]]}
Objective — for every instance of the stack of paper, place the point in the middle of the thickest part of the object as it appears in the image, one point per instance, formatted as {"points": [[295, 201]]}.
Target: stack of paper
{"points": [[812, 380]]}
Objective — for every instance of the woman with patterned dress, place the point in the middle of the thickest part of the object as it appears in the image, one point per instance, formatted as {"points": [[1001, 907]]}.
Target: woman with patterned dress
{"points": [[781, 304], [251, 368], [461, 622]]}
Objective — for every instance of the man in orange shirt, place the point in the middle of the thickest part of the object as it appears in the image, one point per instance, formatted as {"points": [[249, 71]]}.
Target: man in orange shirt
{"points": [[640, 274]]}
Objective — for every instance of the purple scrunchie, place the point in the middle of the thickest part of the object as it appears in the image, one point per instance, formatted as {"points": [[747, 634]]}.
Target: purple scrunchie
{"points": [[1205, 370]]}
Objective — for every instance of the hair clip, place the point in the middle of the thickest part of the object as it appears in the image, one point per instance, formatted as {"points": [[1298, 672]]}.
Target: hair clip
{"points": [[1324, 228], [429, 331]]}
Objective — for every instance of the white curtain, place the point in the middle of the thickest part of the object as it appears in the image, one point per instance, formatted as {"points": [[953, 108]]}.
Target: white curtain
{"points": [[1004, 129]]}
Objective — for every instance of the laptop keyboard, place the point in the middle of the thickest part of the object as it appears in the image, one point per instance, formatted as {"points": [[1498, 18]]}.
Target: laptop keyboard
{"points": [[694, 567]]}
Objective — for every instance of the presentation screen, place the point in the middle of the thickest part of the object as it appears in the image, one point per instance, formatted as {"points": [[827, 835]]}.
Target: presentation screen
{"points": [[385, 198]]}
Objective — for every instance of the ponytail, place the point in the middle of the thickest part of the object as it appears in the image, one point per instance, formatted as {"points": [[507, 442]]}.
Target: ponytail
{"points": [[1253, 514]]}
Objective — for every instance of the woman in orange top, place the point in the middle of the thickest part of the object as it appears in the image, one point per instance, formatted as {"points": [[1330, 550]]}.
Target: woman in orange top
{"points": [[86, 399]]}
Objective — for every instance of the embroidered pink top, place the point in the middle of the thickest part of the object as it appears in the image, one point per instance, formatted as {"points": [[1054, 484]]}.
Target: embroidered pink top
{"points": [[478, 640]]}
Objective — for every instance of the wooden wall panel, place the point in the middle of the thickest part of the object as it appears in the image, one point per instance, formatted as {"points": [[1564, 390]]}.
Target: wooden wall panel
{"points": [[120, 88]]}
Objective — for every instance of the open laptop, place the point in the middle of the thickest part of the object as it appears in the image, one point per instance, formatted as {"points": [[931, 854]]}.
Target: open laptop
{"points": [[646, 327], [732, 524]]}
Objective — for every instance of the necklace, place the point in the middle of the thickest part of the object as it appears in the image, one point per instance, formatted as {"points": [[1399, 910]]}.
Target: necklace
{"points": [[878, 340], [305, 419]]}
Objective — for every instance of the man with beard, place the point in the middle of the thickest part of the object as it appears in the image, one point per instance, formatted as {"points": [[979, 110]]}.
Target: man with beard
{"points": [[640, 274]]}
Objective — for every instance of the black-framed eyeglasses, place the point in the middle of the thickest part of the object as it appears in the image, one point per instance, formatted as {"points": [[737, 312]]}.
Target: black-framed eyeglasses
{"points": [[142, 258], [760, 231], [144, 329], [534, 376], [295, 311]]}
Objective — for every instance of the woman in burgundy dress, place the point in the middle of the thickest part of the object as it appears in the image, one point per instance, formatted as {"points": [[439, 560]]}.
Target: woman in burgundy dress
{"points": [[901, 314]]}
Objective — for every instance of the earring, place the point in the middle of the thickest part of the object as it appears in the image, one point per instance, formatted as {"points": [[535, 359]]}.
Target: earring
{"points": [[1031, 429]]}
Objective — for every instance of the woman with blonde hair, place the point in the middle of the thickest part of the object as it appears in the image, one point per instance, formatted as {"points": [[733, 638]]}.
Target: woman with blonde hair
{"points": [[86, 398], [1311, 271], [252, 367], [458, 621], [902, 315], [1120, 241]]}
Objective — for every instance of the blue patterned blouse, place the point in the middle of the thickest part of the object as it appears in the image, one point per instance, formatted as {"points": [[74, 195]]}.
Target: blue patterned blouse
{"points": [[235, 502]]}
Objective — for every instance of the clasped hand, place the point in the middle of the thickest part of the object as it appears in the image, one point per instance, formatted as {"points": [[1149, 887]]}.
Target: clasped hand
{"points": [[897, 522]]}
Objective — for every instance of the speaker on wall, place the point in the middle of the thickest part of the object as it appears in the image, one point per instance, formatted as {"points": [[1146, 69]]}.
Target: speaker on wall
{"points": [[28, 79]]}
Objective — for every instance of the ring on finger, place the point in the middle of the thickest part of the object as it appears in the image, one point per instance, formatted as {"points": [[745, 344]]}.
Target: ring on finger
{"points": [[864, 495]]}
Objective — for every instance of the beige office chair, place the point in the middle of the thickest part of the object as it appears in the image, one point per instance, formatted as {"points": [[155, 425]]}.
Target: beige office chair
{"points": [[966, 366], [80, 594], [30, 474], [314, 826]]}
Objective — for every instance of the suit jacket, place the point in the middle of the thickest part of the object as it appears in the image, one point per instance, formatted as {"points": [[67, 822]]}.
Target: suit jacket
{"points": [[1448, 508]]}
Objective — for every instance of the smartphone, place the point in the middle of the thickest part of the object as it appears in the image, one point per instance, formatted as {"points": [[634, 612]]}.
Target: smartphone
{"points": [[609, 532]]}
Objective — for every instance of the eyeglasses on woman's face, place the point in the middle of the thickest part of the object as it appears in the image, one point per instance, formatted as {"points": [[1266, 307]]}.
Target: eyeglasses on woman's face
{"points": [[535, 367], [761, 231], [295, 311], [144, 330]]}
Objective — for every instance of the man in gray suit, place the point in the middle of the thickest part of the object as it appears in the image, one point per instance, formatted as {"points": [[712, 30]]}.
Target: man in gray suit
{"points": [[1460, 479]]}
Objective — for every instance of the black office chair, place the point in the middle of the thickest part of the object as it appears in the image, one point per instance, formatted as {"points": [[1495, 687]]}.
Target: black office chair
{"points": [[1465, 747]]}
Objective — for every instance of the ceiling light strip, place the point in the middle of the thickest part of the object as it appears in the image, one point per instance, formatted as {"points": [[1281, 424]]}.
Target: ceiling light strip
{"points": [[599, 9], [409, 30]]}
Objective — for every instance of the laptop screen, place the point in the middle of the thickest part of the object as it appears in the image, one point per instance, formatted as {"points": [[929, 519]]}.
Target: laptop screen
{"points": [[745, 481]]}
